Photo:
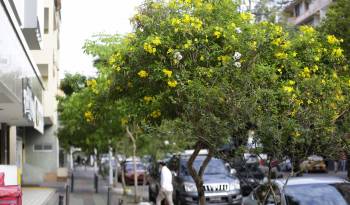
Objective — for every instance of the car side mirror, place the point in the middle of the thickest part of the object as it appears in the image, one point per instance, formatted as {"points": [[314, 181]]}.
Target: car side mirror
{"points": [[174, 173]]}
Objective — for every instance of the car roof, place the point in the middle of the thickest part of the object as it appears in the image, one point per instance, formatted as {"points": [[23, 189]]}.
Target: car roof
{"points": [[310, 180]]}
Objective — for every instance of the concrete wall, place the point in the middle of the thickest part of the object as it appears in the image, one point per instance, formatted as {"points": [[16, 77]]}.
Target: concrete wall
{"points": [[40, 164]]}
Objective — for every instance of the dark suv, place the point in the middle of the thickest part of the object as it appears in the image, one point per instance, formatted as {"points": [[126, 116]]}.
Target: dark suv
{"points": [[221, 188]]}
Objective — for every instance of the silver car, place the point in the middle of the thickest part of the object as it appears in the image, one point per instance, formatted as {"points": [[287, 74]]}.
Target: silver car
{"points": [[302, 191]]}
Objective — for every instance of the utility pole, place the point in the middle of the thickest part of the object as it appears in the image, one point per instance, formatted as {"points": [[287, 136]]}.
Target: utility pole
{"points": [[110, 167]]}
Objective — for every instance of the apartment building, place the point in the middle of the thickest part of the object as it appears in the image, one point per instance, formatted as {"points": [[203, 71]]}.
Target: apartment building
{"points": [[310, 12], [29, 46]]}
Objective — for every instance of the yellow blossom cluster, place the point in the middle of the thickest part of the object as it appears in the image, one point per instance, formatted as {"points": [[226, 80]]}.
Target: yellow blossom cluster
{"points": [[89, 117], [224, 59], [150, 47], [188, 44], [156, 114], [167, 72], [218, 32], [148, 99], [142, 74], [124, 121], [91, 83], [246, 16], [187, 20], [172, 83], [305, 73], [288, 89], [307, 29], [337, 53], [331, 39], [281, 55]]}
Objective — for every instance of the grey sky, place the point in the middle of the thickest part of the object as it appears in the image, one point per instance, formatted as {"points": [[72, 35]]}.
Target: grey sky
{"points": [[83, 18]]}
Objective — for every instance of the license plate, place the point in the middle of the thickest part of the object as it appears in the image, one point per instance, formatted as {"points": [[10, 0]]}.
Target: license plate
{"points": [[215, 198]]}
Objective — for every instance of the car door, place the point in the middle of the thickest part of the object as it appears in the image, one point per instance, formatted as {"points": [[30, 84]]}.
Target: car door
{"points": [[263, 195]]}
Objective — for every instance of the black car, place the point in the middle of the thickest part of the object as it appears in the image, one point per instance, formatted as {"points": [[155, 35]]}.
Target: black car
{"points": [[221, 188]]}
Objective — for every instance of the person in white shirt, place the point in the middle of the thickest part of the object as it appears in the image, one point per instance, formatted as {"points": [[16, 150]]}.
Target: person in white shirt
{"points": [[166, 185]]}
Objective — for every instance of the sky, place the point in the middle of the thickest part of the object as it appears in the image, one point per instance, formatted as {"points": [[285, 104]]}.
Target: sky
{"points": [[83, 18]]}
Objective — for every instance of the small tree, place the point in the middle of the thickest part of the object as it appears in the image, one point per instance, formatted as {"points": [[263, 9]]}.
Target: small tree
{"points": [[203, 63]]}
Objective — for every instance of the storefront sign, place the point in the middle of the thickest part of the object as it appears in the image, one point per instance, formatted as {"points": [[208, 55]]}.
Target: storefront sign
{"points": [[39, 116]]}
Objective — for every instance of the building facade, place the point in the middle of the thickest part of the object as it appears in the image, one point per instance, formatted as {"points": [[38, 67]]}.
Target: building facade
{"points": [[306, 12], [29, 45]]}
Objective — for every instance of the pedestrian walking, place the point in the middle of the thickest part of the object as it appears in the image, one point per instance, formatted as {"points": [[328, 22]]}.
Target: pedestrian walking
{"points": [[166, 185], [342, 160], [336, 165]]}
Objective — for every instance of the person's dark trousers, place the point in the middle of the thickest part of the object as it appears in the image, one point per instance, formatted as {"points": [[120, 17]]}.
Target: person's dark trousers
{"points": [[348, 165]]}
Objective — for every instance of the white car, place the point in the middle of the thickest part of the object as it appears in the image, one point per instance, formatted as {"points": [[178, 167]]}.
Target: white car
{"points": [[302, 191]]}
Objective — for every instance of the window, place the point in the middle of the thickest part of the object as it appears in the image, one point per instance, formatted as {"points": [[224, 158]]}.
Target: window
{"points": [[307, 5], [43, 148], [297, 10], [46, 20]]}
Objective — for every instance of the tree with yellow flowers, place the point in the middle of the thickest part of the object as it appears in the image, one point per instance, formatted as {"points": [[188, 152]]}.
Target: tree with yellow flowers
{"points": [[204, 64]]}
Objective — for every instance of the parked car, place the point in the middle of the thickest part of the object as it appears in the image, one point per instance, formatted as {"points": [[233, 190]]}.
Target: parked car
{"points": [[302, 191], [220, 186], [250, 176], [129, 172], [313, 163]]}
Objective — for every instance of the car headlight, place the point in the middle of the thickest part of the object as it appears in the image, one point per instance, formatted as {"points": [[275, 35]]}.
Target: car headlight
{"points": [[234, 185], [190, 187]]}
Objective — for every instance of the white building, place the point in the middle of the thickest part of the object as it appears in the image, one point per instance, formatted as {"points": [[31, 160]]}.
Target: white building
{"points": [[29, 45], [309, 12]]}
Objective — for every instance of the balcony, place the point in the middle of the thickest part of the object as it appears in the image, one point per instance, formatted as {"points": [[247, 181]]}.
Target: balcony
{"points": [[33, 24], [310, 13]]}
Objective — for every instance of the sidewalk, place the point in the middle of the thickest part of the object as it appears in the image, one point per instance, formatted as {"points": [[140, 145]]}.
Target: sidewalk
{"points": [[37, 195]]}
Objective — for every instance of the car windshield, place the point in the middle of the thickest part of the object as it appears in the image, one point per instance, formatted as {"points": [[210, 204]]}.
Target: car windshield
{"points": [[215, 166], [318, 194], [130, 167]]}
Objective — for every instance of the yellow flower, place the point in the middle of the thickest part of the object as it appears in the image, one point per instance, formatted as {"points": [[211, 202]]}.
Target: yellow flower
{"points": [[156, 41], [246, 16], [288, 89], [294, 54], [337, 52], [331, 39], [167, 72], [172, 83], [305, 73], [278, 29], [291, 82], [187, 19], [88, 116], [296, 134], [175, 21], [124, 121], [224, 59], [149, 48], [148, 99], [209, 7], [307, 29], [142, 74], [188, 44], [217, 34], [276, 42], [281, 55], [156, 114], [91, 83]]}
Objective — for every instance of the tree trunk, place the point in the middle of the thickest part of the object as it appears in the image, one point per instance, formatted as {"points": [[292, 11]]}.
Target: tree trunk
{"points": [[116, 170], [123, 180], [198, 176], [131, 136]]}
